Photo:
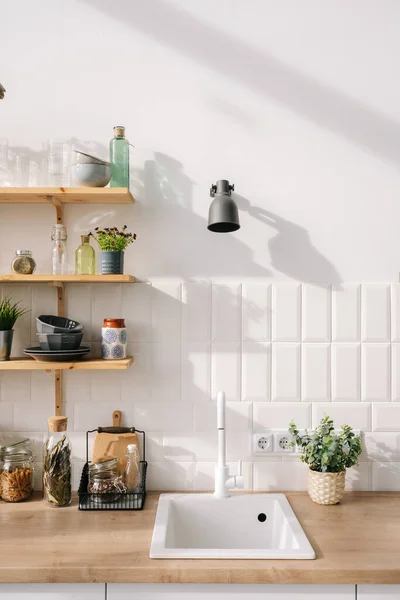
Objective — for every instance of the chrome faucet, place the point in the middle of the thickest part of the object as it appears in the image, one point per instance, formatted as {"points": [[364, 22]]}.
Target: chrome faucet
{"points": [[223, 481]]}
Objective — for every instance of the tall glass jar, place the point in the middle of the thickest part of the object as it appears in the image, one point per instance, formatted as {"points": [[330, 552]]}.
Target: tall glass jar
{"points": [[57, 464], [59, 252], [16, 472]]}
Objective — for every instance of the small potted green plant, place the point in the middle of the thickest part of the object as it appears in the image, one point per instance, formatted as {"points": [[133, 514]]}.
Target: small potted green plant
{"points": [[328, 454], [113, 244], [9, 313]]}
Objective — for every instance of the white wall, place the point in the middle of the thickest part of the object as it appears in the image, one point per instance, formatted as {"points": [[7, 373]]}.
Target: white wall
{"points": [[296, 103]]}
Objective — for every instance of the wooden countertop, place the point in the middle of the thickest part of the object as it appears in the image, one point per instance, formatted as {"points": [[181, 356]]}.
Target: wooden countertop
{"points": [[357, 541]]}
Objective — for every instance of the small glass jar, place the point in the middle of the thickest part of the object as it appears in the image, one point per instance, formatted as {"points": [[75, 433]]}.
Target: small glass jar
{"points": [[23, 263], [105, 481], [16, 472]]}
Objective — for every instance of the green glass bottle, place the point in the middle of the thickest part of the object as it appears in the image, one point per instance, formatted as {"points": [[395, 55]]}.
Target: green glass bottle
{"points": [[85, 258], [119, 158]]}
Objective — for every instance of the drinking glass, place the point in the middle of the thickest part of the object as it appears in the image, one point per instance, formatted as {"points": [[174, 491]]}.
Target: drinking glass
{"points": [[59, 160], [6, 177]]}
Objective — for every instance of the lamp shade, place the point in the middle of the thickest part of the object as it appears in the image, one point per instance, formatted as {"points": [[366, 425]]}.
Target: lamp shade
{"points": [[223, 216]]}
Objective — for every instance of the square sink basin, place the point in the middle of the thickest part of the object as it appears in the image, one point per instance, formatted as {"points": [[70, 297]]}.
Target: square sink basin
{"points": [[242, 526]]}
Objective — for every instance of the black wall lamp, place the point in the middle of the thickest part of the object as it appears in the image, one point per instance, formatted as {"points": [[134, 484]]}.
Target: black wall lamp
{"points": [[223, 215]]}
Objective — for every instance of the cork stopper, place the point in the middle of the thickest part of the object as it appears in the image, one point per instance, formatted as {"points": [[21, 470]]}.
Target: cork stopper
{"points": [[119, 131], [57, 423], [84, 239]]}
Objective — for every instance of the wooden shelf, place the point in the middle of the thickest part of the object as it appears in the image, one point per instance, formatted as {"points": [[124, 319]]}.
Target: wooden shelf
{"points": [[66, 278], [95, 364], [83, 195]]}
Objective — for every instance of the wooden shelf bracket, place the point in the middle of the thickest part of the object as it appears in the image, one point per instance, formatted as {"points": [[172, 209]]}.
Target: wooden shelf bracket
{"points": [[58, 206]]}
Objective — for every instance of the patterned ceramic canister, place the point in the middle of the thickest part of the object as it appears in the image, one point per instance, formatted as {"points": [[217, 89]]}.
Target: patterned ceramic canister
{"points": [[113, 339]]}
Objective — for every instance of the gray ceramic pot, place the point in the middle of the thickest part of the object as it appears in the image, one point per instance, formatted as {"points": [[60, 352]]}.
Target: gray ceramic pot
{"points": [[6, 338], [111, 262]]}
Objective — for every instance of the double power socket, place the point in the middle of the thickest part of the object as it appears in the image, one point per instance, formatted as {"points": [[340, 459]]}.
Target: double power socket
{"points": [[276, 442]]}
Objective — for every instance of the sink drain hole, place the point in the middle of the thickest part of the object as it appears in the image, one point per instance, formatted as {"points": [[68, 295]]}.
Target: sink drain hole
{"points": [[262, 517]]}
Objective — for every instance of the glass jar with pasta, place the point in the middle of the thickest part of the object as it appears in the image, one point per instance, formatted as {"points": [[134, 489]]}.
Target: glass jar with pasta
{"points": [[16, 472]]}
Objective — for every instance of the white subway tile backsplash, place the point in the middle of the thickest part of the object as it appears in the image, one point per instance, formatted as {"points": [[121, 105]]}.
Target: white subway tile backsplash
{"points": [[375, 312], [226, 312], [346, 313], [286, 312], [238, 416], [256, 371], [279, 476], [382, 446], [316, 313], [170, 476], [166, 372], [136, 310], [386, 476], [285, 372], [395, 314], [396, 372], [7, 416], [376, 372], [196, 371], [316, 383], [346, 372], [256, 310], [359, 478], [196, 312], [278, 415], [15, 388], [386, 417], [164, 416], [357, 415], [167, 312], [267, 345], [226, 370], [136, 382]]}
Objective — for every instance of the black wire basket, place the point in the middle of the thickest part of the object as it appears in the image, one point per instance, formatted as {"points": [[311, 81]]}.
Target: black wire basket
{"points": [[113, 500]]}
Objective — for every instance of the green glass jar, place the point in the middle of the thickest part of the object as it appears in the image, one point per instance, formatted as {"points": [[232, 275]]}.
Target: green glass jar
{"points": [[85, 258]]}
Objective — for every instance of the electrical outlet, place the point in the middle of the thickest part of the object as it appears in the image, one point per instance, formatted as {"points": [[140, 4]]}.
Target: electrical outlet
{"points": [[262, 443], [282, 443]]}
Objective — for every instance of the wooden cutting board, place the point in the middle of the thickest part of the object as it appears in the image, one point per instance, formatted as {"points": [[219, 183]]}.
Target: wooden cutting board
{"points": [[113, 443]]}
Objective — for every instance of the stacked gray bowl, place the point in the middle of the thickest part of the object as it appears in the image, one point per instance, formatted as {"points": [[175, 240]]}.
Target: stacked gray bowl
{"points": [[58, 333]]}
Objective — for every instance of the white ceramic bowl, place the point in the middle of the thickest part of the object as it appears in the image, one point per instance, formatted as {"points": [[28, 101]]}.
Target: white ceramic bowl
{"points": [[80, 158], [91, 174]]}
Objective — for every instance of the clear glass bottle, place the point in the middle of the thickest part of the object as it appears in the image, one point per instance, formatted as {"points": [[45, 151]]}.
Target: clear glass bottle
{"points": [[16, 472], [57, 464], [119, 158], [85, 258], [132, 469], [59, 251]]}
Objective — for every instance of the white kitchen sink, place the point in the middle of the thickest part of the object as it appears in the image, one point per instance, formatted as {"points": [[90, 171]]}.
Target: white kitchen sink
{"points": [[241, 526]]}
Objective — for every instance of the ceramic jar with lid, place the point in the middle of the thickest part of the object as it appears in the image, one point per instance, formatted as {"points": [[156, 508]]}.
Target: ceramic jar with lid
{"points": [[113, 339], [16, 472], [23, 263]]}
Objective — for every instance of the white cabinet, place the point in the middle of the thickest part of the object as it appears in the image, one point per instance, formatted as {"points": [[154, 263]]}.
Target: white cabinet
{"points": [[52, 591], [171, 591], [378, 592]]}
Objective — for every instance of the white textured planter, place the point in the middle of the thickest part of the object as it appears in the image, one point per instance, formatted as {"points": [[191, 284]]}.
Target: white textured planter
{"points": [[326, 488]]}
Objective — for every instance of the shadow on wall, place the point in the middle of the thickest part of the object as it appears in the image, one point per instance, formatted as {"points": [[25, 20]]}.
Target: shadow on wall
{"points": [[263, 74]]}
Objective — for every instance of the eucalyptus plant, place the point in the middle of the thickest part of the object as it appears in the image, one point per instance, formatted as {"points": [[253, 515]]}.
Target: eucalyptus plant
{"points": [[326, 451], [9, 312], [111, 238]]}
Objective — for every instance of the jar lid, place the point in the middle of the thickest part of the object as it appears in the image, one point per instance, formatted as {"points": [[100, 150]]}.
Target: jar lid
{"points": [[102, 467], [21, 445], [119, 130], [16, 456], [114, 323], [23, 252]]}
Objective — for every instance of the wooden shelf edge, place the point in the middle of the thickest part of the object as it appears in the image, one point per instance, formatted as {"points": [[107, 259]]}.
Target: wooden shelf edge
{"points": [[81, 195], [9, 278], [94, 364]]}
